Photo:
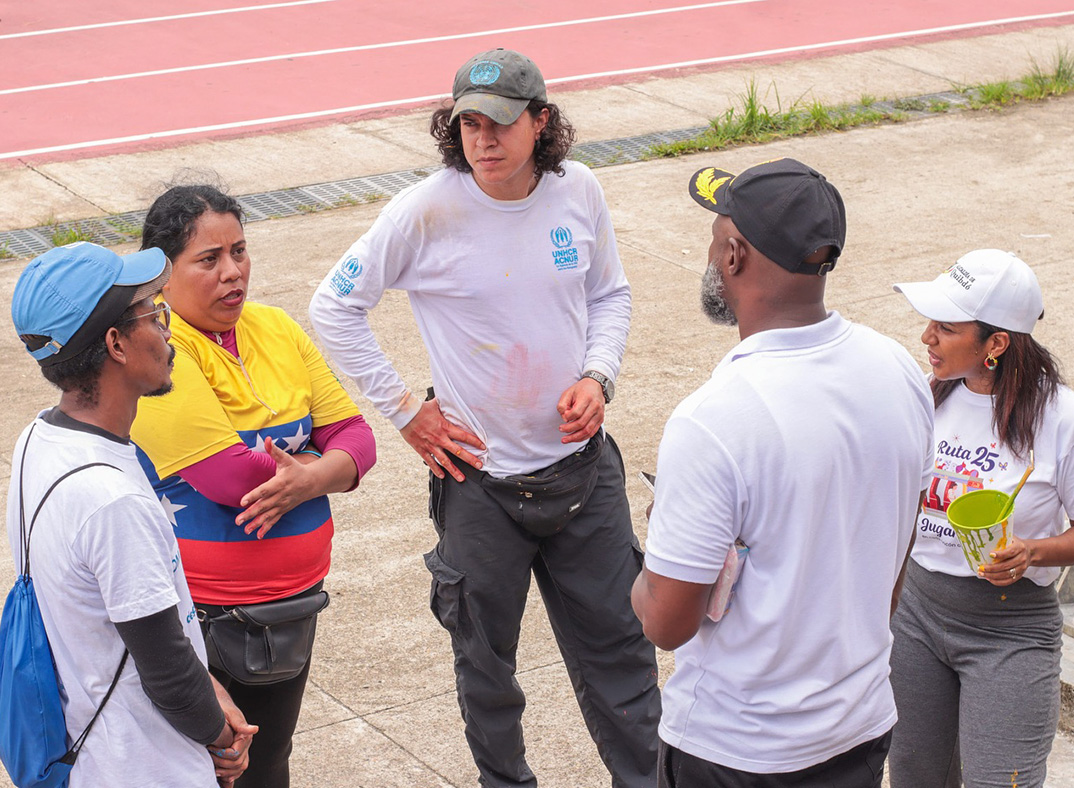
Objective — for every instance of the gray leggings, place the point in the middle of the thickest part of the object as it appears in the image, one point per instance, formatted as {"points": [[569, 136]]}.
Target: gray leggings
{"points": [[975, 670]]}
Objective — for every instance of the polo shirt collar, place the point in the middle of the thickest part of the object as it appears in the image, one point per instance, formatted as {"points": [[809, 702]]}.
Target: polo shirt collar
{"points": [[792, 340]]}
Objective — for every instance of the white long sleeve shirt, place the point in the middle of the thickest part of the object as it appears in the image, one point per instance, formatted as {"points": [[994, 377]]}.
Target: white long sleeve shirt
{"points": [[514, 301]]}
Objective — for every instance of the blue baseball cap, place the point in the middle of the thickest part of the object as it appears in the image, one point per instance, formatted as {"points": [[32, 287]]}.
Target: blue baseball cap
{"points": [[68, 297]]}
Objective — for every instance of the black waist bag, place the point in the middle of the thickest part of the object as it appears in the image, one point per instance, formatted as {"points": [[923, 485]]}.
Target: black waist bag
{"points": [[544, 502], [264, 643]]}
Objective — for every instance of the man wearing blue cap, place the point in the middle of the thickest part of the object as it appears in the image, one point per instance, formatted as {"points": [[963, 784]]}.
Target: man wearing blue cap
{"points": [[106, 565], [811, 443]]}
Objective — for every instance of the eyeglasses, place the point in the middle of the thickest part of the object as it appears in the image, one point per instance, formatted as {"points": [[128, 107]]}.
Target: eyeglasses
{"points": [[163, 321]]}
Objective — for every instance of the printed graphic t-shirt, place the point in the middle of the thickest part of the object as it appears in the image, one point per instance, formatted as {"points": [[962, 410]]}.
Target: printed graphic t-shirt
{"points": [[103, 552], [969, 456]]}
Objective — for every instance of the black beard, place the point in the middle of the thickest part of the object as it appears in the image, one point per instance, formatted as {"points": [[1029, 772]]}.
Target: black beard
{"points": [[161, 391], [713, 304], [169, 385]]}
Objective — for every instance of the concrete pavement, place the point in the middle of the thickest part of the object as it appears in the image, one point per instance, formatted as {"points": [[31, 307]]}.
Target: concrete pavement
{"points": [[380, 710]]}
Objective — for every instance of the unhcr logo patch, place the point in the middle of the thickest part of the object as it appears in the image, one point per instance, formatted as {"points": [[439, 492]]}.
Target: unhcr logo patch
{"points": [[351, 267], [564, 256], [484, 73]]}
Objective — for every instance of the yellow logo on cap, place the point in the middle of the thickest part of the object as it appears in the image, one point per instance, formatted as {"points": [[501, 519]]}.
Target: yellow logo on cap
{"points": [[707, 183]]}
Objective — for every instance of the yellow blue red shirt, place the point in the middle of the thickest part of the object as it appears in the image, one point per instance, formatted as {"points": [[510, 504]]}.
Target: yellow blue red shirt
{"points": [[279, 386]]}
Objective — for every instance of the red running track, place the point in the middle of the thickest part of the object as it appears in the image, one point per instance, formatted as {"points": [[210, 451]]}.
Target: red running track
{"points": [[80, 78]]}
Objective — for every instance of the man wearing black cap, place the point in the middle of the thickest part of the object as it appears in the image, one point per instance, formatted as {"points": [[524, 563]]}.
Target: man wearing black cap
{"points": [[810, 444], [510, 263], [105, 563]]}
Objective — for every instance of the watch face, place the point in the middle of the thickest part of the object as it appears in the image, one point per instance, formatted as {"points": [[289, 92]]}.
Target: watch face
{"points": [[606, 384]]}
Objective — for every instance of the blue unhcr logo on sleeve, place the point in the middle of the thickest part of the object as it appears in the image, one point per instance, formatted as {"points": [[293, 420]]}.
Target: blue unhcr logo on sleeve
{"points": [[341, 283], [484, 73], [351, 267], [564, 256]]}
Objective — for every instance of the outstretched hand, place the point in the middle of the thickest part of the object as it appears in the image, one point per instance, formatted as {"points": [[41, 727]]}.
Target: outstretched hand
{"points": [[436, 440], [582, 409], [291, 485]]}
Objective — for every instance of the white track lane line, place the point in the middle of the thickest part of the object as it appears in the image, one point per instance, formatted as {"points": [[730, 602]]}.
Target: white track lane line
{"points": [[365, 47], [145, 20], [422, 99]]}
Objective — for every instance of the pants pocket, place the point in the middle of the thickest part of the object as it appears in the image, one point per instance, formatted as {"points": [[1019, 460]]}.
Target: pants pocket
{"points": [[445, 596], [436, 504]]}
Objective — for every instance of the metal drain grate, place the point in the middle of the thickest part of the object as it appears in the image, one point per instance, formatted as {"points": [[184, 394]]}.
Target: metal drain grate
{"points": [[120, 228]]}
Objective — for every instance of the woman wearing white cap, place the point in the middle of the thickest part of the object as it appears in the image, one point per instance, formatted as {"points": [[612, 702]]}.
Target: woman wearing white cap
{"points": [[975, 662]]}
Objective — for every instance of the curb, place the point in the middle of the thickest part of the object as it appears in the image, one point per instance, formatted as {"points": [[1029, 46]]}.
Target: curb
{"points": [[280, 203]]}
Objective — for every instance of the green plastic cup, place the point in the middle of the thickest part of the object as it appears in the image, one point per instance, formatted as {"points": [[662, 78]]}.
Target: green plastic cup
{"points": [[975, 518]]}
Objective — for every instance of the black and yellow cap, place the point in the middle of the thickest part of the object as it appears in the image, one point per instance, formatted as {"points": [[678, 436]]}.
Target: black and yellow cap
{"points": [[785, 209]]}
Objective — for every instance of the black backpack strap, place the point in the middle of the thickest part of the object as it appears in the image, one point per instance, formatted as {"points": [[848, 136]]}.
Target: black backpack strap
{"points": [[71, 755], [24, 538]]}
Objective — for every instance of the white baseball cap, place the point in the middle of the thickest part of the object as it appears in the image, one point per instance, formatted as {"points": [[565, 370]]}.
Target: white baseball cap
{"points": [[989, 285]]}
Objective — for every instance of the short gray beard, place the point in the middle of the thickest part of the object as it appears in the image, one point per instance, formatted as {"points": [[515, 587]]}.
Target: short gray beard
{"points": [[713, 303]]}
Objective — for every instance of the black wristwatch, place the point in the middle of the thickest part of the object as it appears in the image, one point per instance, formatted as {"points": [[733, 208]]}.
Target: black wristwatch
{"points": [[607, 385]]}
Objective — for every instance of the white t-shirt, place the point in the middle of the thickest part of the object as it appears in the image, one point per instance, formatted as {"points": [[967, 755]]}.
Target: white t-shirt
{"points": [[969, 456], [514, 301], [812, 445], [102, 551]]}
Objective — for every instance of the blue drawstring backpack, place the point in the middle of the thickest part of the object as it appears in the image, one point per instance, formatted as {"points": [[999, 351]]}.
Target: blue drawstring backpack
{"points": [[33, 734]]}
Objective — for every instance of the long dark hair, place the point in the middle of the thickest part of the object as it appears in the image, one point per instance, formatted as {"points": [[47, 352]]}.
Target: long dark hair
{"points": [[552, 147], [1026, 378], [169, 225]]}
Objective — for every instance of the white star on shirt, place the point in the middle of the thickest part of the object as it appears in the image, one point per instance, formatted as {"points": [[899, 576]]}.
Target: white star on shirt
{"points": [[170, 509], [260, 444], [295, 442]]}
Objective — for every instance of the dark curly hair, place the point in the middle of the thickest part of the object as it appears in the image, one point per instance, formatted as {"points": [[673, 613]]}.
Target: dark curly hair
{"points": [[552, 147], [169, 225]]}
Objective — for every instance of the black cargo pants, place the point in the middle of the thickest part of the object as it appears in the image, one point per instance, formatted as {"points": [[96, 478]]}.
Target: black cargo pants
{"points": [[481, 575]]}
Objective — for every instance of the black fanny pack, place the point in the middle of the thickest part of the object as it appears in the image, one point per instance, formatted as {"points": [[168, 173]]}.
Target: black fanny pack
{"points": [[544, 502], [263, 643]]}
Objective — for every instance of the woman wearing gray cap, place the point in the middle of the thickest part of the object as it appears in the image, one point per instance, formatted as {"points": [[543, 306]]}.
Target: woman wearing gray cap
{"points": [[510, 263], [975, 665]]}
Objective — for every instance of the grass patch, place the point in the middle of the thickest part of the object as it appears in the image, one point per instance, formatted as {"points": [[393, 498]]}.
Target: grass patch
{"points": [[374, 197], [1058, 81], [62, 236], [5, 252], [1040, 83], [992, 95], [124, 227], [909, 104], [750, 121]]}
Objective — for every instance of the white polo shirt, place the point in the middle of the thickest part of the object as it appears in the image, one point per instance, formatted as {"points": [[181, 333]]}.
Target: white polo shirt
{"points": [[812, 445]]}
